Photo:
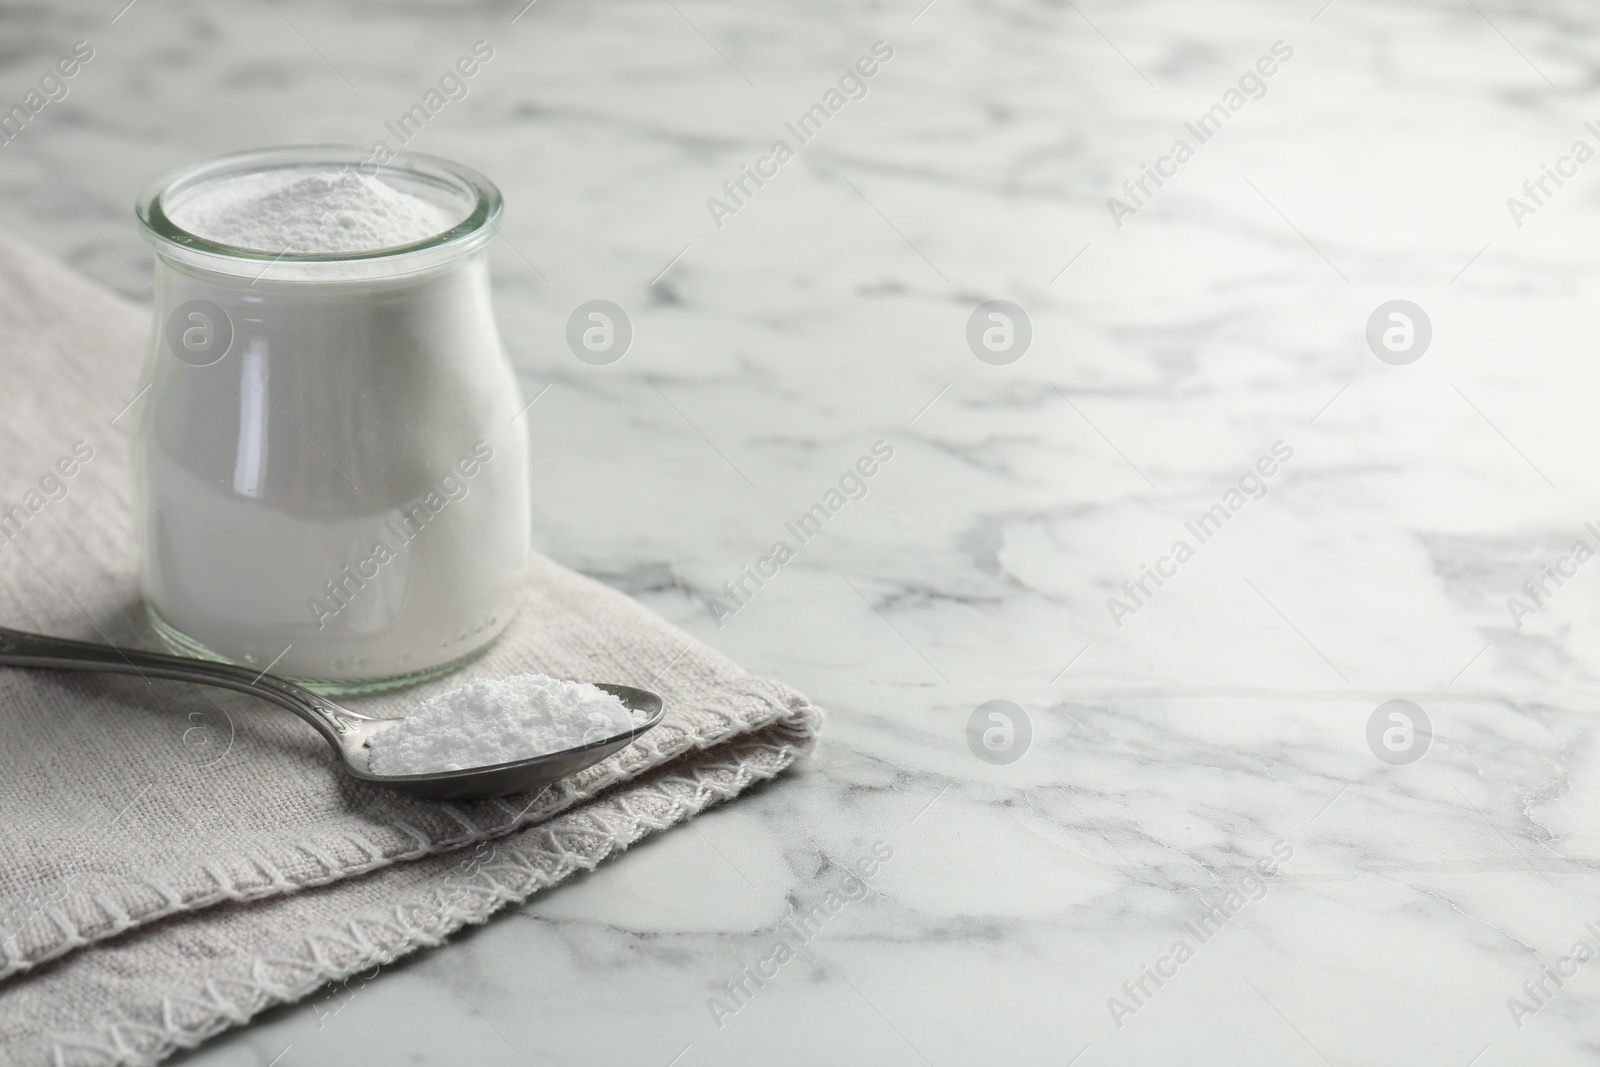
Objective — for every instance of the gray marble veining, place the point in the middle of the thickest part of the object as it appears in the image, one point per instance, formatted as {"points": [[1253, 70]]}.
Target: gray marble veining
{"points": [[1209, 728]]}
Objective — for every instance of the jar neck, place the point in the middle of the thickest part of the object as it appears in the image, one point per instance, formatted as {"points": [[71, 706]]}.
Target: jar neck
{"points": [[477, 207], [281, 276]]}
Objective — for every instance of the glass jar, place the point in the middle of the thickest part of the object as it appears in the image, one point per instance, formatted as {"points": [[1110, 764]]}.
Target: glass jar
{"points": [[331, 470]]}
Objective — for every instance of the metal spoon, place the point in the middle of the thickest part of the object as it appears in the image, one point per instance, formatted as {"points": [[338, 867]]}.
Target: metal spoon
{"points": [[347, 731]]}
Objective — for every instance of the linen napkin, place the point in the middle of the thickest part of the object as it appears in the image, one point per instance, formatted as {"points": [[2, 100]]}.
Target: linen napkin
{"points": [[175, 859]]}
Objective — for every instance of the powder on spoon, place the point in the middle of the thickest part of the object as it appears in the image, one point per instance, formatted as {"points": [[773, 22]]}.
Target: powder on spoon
{"points": [[492, 721], [304, 213]]}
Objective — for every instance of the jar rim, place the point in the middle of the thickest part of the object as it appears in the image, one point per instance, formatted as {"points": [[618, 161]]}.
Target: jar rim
{"points": [[476, 229]]}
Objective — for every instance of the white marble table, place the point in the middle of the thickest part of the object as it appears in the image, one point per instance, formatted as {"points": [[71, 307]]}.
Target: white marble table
{"points": [[1224, 718]]}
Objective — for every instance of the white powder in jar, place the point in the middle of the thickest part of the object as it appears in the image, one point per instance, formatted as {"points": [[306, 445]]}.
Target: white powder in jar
{"points": [[493, 721], [300, 214], [342, 492]]}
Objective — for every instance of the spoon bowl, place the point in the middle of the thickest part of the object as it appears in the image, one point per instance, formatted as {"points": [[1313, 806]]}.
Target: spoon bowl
{"points": [[501, 779], [346, 731]]}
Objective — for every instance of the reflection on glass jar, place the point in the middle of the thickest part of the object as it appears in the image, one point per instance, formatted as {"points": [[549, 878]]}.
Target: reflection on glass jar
{"points": [[330, 467]]}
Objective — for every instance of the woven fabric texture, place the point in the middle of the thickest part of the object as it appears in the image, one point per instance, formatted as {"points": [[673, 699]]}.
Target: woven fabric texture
{"points": [[175, 859]]}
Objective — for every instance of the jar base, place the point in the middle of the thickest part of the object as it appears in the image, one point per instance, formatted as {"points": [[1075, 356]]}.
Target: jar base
{"points": [[181, 644]]}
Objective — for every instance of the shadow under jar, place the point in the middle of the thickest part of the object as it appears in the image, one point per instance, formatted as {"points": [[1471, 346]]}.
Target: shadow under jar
{"points": [[331, 474]]}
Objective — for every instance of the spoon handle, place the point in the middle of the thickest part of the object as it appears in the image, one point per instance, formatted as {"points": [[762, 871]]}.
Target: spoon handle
{"points": [[18, 649]]}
